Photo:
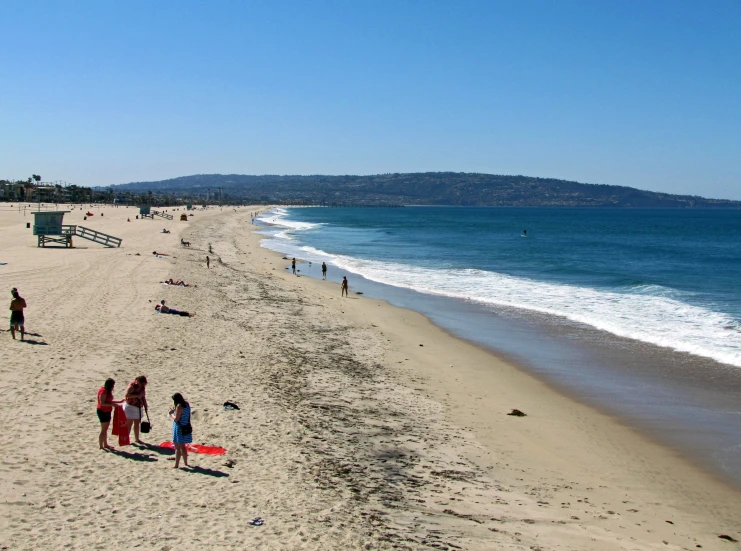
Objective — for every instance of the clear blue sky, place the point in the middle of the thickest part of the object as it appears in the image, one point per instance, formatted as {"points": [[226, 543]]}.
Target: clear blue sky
{"points": [[639, 93]]}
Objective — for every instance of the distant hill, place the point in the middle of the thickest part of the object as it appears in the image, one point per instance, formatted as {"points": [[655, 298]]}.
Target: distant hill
{"points": [[429, 188]]}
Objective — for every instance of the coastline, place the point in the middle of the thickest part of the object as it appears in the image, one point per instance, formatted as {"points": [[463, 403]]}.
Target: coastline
{"points": [[353, 435], [606, 374], [684, 401]]}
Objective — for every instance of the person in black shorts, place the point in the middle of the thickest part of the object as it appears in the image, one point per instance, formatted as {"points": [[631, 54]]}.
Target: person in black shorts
{"points": [[17, 320], [106, 403], [324, 271]]}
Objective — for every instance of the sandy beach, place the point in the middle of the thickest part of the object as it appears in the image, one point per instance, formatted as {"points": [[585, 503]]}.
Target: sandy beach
{"points": [[361, 425]]}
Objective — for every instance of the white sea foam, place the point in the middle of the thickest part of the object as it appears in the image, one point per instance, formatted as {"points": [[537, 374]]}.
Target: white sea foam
{"points": [[647, 313], [650, 318], [278, 217]]}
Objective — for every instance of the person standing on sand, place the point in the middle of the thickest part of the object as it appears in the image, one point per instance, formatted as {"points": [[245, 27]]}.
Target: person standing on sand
{"points": [[17, 320], [180, 416], [136, 399], [324, 270], [344, 286], [106, 403], [293, 265], [208, 262]]}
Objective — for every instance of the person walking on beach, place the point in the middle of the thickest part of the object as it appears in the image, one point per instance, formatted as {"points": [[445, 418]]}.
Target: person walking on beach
{"points": [[208, 262], [106, 403], [182, 431], [344, 286], [17, 320], [324, 270], [136, 399], [293, 265]]}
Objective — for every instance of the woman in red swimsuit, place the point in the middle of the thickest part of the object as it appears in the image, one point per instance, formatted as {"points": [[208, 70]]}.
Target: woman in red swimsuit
{"points": [[106, 404]]}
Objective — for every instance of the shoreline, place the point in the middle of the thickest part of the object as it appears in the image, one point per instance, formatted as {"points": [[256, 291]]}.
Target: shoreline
{"points": [[350, 435], [684, 402], [522, 377]]}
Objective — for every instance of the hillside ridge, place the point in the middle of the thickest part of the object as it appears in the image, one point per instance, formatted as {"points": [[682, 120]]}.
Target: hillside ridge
{"points": [[419, 188]]}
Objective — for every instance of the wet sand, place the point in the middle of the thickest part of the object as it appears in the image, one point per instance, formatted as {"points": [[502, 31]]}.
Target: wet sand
{"points": [[687, 402], [361, 425]]}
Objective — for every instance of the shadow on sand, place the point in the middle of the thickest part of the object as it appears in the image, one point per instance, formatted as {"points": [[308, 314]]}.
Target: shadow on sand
{"points": [[158, 449], [135, 456], [207, 472]]}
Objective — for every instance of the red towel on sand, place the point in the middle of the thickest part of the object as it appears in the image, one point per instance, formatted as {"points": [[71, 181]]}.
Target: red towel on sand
{"points": [[197, 448], [120, 426]]}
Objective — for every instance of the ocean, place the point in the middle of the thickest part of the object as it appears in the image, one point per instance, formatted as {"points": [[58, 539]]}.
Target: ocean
{"points": [[635, 311]]}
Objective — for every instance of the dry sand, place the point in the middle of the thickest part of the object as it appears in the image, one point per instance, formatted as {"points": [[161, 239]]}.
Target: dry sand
{"points": [[350, 434]]}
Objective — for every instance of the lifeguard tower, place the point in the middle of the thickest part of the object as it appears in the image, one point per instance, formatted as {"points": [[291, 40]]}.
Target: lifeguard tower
{"points": [[145, 211], [49, 228], [47, 225]]}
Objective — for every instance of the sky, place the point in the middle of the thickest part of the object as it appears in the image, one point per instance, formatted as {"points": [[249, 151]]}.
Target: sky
{"points": [[643, 93]]}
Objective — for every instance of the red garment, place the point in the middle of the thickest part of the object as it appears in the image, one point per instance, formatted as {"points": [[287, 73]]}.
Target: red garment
{"points": [[197, 448], [120, 426], [104, 396]]}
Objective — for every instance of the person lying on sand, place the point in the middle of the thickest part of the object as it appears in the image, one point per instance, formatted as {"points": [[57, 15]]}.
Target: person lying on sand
{"points": [[179, 283], [163, 309], [155, 253]]}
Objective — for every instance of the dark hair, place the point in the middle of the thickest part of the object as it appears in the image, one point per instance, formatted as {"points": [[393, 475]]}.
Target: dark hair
{"points": [[179, 400], [108, 385], [14, 292], [141, 379]]}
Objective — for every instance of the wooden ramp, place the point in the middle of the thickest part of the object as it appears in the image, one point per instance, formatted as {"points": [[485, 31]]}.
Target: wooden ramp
{"points": [[92, 235], [162, 214]]}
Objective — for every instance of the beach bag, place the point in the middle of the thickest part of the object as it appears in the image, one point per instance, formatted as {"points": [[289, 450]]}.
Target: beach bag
{"points": [[145, 426], [186, 429]]}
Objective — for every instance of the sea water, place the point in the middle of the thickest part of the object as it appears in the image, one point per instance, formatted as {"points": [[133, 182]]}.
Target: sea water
{"points": [[637, 311]]}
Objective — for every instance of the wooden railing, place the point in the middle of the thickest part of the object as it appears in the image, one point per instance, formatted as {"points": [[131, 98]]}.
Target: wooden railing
{"points": [[162, 214], [92, 235]]}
